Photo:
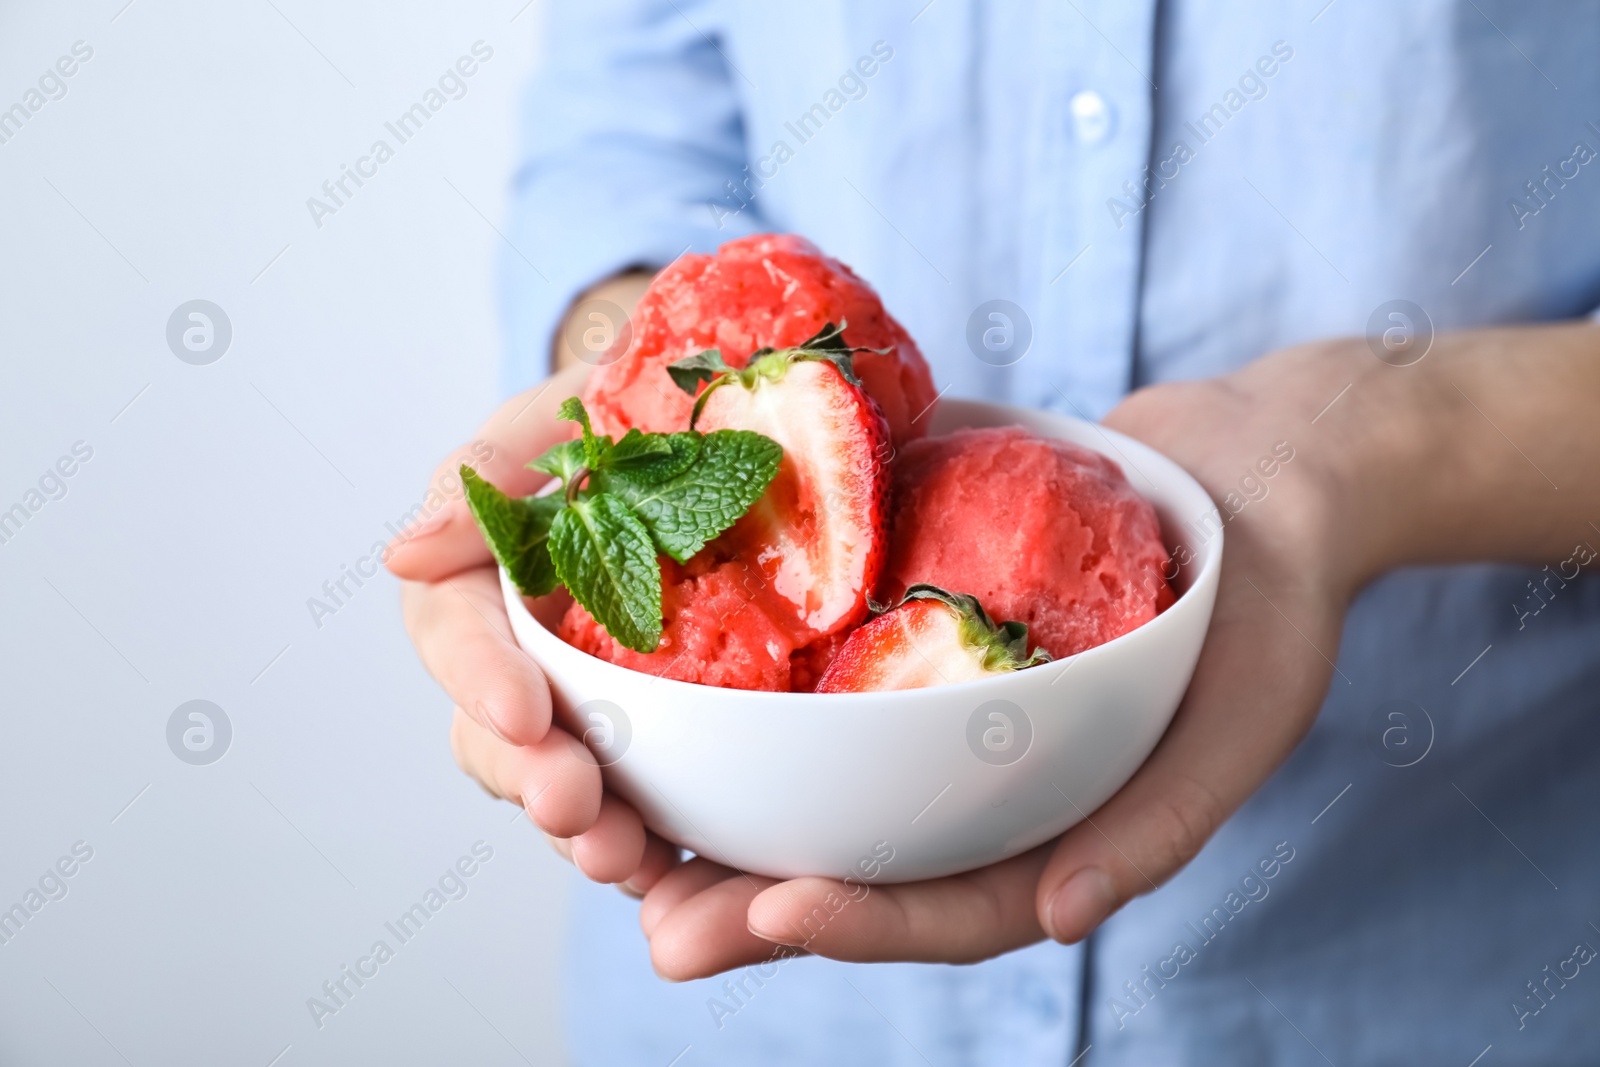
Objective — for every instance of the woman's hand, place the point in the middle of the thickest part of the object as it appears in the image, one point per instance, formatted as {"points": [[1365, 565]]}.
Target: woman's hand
{"points": [[1289, 569], [502, 733], [1330, 467]]}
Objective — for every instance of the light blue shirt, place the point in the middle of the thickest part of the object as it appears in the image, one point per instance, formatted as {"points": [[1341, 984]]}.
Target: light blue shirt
{"points": [[1300, 166]]}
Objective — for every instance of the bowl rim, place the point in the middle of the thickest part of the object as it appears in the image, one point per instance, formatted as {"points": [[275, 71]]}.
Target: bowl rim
{"points": [[1208, 555]]}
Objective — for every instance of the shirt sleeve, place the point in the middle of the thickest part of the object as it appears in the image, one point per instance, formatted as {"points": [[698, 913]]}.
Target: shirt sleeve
{"points": [[631, 132]]}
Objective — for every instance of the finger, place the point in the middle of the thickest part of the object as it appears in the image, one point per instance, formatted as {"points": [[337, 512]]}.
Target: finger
{"points": [[556, 779], [661, 857], [1224, 741], [960, 919], [460, 628], [561, 845], [707, 933], [611, 849], [678, 886], [444, 539]]}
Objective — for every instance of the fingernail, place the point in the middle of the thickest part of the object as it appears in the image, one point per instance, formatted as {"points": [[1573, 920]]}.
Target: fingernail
{"points": [[790, 938], [528, 802], [1082, 904], [430, 525], [489, 721]]}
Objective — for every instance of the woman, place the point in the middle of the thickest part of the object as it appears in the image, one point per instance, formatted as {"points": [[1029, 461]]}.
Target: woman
{"points": [[1363, 236]]}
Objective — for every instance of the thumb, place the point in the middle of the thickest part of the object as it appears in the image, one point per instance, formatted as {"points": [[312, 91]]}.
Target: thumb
{"points": [[442, 539], [1255, 693]]}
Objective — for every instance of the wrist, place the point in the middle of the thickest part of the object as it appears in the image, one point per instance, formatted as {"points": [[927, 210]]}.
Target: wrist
{"points": [[1453, 458], [1333, 527], [1372, 441], [596, 319], [1383, 453], [1397, 431], [1457, 457]]}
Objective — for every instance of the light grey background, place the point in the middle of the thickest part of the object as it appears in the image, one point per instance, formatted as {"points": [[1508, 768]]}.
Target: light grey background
{"points": [[218, 500]]}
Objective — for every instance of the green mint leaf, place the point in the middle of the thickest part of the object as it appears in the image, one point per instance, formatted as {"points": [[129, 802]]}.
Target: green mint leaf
{"points": [[689, 372], [682, 513], [656, 457], [562, 461], [517, 531], [594, 448], [634, 444], [604, 555]]}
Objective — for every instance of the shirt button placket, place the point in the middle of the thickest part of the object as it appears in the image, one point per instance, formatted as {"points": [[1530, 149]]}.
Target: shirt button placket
{"points": [[1088, 281]]}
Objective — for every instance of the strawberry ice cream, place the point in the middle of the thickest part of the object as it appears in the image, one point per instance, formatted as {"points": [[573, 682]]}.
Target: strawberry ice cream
{"points": [[1039, 530], [1008, 525], [720, 627], [761, 291]]}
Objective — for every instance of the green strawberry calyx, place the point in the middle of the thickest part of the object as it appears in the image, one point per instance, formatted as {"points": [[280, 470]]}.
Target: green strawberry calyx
{"points": [[764, 365], [1000, 647]]}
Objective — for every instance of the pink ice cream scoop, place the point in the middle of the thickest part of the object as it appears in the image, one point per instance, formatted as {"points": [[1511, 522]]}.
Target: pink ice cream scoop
{"points": [[1039, 530]]}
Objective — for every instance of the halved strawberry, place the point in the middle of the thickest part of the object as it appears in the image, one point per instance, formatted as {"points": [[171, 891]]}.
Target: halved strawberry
{"points": [[931, 638], [819, 534]]}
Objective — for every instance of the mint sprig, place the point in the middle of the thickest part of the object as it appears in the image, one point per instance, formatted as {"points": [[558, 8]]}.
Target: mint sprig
{"points": [[685, 511], [624, 502]]}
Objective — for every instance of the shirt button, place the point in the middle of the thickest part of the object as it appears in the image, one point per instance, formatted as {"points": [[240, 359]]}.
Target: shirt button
{"points": [[1091, 117]]}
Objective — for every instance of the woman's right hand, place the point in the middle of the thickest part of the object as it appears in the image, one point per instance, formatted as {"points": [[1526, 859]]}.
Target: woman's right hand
{"points": [[503, 733]]}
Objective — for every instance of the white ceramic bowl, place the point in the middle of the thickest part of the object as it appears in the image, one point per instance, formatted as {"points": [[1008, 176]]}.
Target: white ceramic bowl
{"points": [[943, 779]]}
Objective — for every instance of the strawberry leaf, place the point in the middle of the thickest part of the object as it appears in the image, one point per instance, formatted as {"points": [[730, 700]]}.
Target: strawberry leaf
{"points": [[689, 372], [1003, 647], [517, 531], [828, 344], [603, 554], [682, 513], [829, 338], [1015, 638], [962, 602]]}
